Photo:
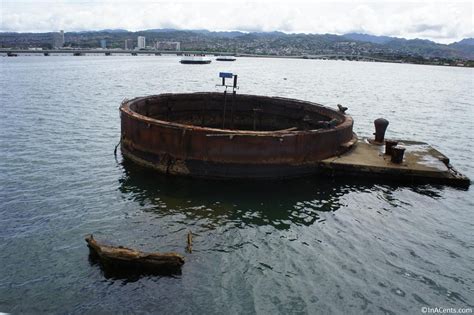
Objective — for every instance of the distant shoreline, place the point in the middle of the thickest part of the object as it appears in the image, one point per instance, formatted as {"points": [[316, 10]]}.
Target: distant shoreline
{"points": [[466, 64], [6, 52]]}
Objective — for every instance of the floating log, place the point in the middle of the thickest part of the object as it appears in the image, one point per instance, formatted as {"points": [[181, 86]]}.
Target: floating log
{"points": [[126, 260]]}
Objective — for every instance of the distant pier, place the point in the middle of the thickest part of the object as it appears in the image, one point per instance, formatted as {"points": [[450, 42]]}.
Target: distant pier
{"points": [[149, 52], [104, 52]]}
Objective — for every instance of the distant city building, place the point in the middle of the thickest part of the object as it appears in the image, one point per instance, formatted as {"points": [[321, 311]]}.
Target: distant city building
{"points": [[128, 44], [58, 39], [141, 42], [168, 45], [61, 36], [103, 43]]}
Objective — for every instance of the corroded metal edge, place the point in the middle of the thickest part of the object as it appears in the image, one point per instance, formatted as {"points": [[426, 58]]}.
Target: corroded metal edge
{"points": [[452, 178], [168, 165], [366, 167], [237, 171], [125, 109]]}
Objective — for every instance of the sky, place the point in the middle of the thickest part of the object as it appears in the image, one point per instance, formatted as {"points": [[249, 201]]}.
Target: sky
{"points": [[441, 21]]}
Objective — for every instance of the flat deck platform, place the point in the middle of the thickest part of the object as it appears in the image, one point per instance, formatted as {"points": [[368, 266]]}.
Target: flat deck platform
{"points": [[421, 164]]}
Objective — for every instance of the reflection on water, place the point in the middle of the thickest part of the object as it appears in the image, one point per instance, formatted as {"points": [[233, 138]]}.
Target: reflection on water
{"points": [[278, 203]]}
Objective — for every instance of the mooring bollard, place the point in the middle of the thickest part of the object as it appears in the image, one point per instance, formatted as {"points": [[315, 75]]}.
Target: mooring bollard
{"points": [[397, 154], [389, 145], [381, 125]]}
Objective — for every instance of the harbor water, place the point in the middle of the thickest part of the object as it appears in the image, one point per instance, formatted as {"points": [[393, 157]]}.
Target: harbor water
{"points": [[304, 246]]}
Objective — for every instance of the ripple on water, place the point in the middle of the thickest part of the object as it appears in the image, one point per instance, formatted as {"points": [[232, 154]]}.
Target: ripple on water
{"points": [[309, 245]]}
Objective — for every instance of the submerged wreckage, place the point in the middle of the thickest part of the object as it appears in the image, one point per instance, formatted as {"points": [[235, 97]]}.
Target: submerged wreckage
{"points": [[214, 135], [119, 259]]}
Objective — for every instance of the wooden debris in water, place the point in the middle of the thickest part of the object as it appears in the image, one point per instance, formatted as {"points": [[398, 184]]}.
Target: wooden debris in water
{"points": [[189, 247], [122, 259]]}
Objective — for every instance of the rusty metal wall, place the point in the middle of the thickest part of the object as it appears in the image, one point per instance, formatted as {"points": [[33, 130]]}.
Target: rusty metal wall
{"points": [[192, 150]]}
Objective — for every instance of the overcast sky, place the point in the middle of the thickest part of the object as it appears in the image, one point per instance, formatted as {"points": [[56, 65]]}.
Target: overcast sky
{"points": [[440, 21]]}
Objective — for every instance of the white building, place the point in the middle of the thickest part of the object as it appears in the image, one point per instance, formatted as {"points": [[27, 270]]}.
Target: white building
{"points": [[58, 39], [61, 36], [141, 42], [168, 46]]}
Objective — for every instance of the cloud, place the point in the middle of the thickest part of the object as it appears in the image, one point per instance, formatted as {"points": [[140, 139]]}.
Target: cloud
{"points": [[441, 21], [420, 28]]}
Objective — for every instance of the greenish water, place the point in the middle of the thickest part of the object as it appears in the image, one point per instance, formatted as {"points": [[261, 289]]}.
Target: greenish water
{"points": [[312, 245]]}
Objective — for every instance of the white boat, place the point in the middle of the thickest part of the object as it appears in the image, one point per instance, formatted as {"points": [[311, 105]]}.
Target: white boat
{"points": [[195, 59], [225, 58]]}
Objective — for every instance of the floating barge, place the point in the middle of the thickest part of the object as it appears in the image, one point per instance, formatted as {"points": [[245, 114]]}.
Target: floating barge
{"points": [[205, 135], [226, 58], [195, 60]]}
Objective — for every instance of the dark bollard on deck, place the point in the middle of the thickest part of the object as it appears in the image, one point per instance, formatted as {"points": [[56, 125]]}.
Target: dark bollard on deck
{"points": [[389, 144], [397, 154], [381, 125]]}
